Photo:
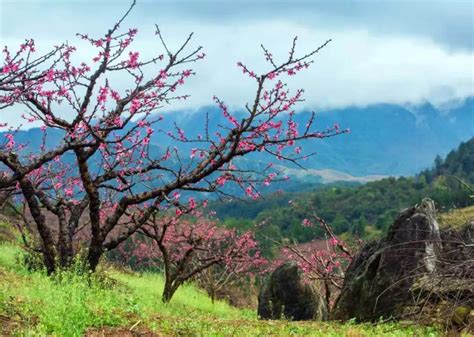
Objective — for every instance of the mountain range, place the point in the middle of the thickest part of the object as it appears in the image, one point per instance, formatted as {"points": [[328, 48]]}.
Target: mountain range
{"points": [[385, 139]]}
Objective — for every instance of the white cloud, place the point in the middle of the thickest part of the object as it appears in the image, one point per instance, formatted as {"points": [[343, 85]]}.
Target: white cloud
{"points": [[359, 67]]}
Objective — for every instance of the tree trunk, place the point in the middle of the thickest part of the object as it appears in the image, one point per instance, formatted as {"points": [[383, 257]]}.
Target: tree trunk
{"points": [[47, 242], [66, 253], [98, 236], [328, 294], [213, 295], [171, 285], [168, 292], [95, 253], [65, 249]]}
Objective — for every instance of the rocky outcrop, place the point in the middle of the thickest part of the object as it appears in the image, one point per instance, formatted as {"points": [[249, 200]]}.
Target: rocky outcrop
{"points": [[286, 294], [379, 280], [457, 254], [454, 278]]}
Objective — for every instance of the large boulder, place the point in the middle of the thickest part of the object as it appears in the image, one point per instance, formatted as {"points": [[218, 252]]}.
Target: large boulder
{"points": [[285, 294], [378, 282]]}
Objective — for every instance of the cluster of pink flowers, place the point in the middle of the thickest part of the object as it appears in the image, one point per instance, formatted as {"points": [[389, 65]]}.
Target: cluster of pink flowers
{"points": [[307, 223], [103, 92], [238, 253], [10, 141], [10, 67], [133, 60]]}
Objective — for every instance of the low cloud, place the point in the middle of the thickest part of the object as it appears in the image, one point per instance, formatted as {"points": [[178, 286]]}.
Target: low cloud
{"points": [[361, 66]]}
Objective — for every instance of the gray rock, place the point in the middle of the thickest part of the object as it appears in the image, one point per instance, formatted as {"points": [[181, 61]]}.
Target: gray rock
{"points": [[286, 295], [379, 279]]}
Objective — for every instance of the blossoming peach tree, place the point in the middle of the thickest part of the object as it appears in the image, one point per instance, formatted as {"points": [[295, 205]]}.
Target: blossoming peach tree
{"points": [[104, 168], [189, 244], [324, 263]]}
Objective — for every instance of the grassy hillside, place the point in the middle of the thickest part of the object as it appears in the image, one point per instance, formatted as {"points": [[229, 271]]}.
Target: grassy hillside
{"points": [[456, 217], [121, 303]]}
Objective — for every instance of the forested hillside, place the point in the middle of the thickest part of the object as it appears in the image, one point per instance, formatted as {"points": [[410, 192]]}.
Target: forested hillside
{"points": [[363, 210]]}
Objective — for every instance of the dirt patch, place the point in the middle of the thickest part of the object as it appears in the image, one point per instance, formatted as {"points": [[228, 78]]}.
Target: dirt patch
{"points": [[7, 325], [120, 332]]}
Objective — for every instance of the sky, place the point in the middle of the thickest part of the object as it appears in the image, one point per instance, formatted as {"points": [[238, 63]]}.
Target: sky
{"points": [[403, 52]]}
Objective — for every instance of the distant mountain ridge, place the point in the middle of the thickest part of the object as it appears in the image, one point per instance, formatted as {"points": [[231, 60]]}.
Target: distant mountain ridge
{"points": [[385, 139]]}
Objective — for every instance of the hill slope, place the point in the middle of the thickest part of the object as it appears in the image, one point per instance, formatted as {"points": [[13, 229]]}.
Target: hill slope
{"points": [[363, 209], [120, 303]]}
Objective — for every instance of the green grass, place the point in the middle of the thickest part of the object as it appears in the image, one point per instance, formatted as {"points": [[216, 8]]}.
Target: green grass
{"points": [[32, 304], [456, 218]]}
